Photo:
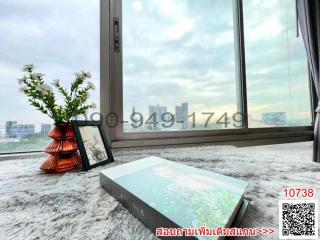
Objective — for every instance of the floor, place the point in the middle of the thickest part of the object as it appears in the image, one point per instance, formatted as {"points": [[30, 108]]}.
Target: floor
{"points": [[34, 205]]}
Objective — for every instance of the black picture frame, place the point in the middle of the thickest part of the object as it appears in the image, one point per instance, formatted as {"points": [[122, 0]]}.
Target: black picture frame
{"points": [[87, 162]]}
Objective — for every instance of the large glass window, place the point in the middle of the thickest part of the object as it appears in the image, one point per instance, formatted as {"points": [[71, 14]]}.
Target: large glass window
{"points": [[60, 38], [179, 65], [276, 65]]}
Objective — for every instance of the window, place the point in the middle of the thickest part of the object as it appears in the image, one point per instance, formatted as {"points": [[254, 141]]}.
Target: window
{"points": [[60, 38], [181, 73], [176, 70], [179, 66], [276, 65]]}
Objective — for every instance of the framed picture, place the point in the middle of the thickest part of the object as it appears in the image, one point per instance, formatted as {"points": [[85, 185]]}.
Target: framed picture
{"points": [[93, 144]]}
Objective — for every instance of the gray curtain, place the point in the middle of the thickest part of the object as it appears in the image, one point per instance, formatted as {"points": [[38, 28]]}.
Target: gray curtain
{"points": [[309, 19]]}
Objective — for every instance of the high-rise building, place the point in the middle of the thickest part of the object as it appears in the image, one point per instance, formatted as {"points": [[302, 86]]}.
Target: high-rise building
{"points": [[45, 128], [181, 115], [158, 111], [2, 133], [274, 118], [8, 128], [15, 130]]}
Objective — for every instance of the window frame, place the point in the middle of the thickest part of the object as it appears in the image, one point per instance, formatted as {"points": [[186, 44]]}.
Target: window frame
{"points": [[111, 96], [130, 139]]}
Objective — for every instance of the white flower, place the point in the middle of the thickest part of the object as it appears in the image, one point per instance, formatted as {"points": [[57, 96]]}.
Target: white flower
{"points": [[23, 89], [22, 80], [91, 85], [38, 75], [39, 88], [44, 88], [56, 82], [80, 74], [88, 75], [83, 75], [28, 67], [93, 105], [47, 88]]}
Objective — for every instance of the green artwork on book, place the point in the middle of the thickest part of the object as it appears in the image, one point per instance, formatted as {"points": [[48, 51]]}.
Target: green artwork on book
{"points": [[189, 196]]}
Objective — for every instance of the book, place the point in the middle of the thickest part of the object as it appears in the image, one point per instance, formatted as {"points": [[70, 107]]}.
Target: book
{"points": [[167, 194]]}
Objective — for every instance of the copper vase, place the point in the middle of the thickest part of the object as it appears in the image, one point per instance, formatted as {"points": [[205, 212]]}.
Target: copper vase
{"points": [[63, 151]]}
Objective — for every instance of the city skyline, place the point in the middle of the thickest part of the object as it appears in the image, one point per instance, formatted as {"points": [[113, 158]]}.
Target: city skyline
{"points": [[15, 129], [164, 109]]}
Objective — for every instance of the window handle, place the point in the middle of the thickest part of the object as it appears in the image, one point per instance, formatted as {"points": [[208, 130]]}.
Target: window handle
{"points": [[297, 19], [116, 34]]}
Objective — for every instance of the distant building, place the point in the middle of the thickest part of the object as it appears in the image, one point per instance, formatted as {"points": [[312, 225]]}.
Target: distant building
{"points": [[8, 127], [274, 118], [45, 129], [2, 133], [181, 115], [15, 130], [158, 111]]}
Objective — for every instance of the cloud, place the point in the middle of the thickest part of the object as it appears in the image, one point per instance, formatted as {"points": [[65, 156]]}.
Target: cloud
{"points": [[59, 37], [174, 51], [196, 63], [269, 28], [137, 5], [225, 38], [170, 9]]}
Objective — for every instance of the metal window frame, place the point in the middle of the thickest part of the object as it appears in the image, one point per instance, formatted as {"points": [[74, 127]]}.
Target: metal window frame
{"points": [[112, 94]]}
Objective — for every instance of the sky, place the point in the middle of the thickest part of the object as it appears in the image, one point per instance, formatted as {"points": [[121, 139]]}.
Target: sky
{"points": [[183, 51], [59, 37], [174, 51], [178, 53], [277, 70]]}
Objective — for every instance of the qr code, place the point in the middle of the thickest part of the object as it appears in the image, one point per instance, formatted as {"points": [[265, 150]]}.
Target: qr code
{"points": [[298, 219]]}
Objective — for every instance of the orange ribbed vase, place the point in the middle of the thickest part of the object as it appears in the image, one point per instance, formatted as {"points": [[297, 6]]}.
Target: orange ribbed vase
{"points": [[63, 151]]}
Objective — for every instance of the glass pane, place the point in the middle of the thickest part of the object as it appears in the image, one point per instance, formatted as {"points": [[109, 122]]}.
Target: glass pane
{"points": [[179, 65], [277, 69], [60, 38]]}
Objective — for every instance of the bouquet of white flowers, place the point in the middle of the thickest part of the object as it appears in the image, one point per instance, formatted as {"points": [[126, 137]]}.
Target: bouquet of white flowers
{"points": [[42, 96]]}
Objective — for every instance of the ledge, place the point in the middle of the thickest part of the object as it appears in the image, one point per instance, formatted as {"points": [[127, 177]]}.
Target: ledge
{"points": [[237, 140], [25, 155]]}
